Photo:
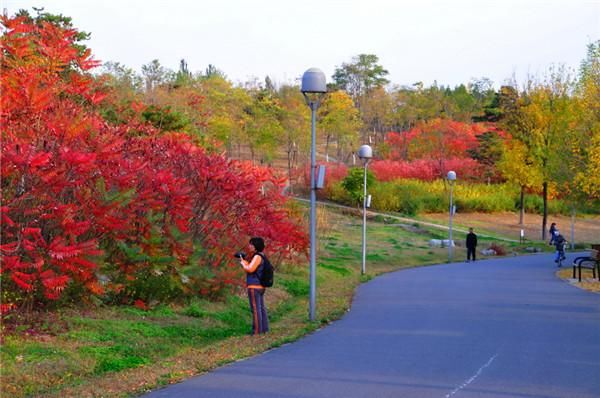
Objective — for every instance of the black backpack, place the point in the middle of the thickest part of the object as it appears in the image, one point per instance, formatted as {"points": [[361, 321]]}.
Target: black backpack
{"points": [[265, 272]]}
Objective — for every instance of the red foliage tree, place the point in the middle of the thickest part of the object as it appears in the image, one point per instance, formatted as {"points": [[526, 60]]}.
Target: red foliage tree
{"points": [[424, 169], [86, 203], [433, 147]]}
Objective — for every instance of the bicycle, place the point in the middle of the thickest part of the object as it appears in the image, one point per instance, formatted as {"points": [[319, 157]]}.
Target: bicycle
{"points": [[561, 254]]}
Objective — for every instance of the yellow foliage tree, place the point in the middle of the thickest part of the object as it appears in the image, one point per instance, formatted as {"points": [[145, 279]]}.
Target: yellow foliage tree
{"points": [[518, 166], [587, 177], [340, 121]]}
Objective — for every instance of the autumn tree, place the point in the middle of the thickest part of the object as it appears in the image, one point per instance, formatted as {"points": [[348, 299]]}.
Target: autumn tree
{"points": [[441, 140], [99, 207], [339, 121], [587, 159], [518, 166], [359, 79], [295, 123], [224, 107], [262, 125], [541, 118], [377, 114]]}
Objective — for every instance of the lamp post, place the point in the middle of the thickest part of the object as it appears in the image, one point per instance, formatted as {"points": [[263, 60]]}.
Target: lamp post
{"points": [[365, 153], [451, 178], [313, 88]]}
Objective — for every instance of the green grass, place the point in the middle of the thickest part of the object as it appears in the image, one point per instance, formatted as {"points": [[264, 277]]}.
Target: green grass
{"points": [[118, 345], [295, 287]]}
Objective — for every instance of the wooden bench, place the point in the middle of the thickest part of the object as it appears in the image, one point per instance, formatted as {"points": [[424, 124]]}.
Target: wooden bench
{"points": [[589, 262]]}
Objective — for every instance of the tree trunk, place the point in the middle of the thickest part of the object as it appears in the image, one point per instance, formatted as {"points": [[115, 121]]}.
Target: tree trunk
{"points": [[289, 159], [572, 243], [545, 219], [522, 205]]}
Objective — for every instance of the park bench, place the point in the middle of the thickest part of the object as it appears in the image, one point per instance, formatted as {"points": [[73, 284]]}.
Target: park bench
{"points": [[589, 262]]}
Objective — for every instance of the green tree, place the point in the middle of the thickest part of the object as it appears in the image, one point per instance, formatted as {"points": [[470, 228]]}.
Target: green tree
{"points": [[154, 75], [183, 76], [482, 90], [461, 104], [488, 152], [354, 183], [295, 122], [360, 76], [212, 71], [339, 120], [262, 125], [224, 109]]}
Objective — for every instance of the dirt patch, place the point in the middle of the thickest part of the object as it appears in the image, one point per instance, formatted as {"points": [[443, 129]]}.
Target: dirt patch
{"points": [[587, 229]]}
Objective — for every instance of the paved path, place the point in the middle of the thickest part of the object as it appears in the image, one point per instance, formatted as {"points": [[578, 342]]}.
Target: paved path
{"points": [[495, 328]]}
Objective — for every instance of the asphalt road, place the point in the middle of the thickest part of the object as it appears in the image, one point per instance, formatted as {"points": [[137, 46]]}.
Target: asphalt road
{"points": [[495, 328]]}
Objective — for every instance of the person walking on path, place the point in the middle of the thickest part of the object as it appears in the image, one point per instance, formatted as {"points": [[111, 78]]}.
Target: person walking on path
{"points": [[256, 291], [471, 245]]}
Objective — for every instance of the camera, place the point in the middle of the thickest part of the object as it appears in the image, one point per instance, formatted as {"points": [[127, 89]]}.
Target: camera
{"points": [[239, 255]]}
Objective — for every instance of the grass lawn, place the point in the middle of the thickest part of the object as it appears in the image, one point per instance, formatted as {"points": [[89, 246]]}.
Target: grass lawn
{"points": [[125, 351], [586, 228]]}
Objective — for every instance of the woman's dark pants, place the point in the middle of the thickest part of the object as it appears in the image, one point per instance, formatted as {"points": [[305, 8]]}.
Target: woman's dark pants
{"points": [[260, 322]]}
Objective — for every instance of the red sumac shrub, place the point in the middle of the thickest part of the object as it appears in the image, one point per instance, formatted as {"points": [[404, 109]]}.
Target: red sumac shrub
{"points": [[89, 204], [424, 169], [435, 146]]}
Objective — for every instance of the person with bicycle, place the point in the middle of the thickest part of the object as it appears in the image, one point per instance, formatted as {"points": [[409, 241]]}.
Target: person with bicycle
{"points": [[560, 242]]}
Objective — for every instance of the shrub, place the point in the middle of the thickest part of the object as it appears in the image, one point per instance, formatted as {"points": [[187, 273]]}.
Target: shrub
{"points": [[114, 209], [424, 169], [354, 183], [500, 250]]}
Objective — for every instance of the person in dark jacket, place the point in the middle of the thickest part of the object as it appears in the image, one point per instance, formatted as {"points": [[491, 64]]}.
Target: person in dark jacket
{"points": [[471, 245], [256, 292], [559, 242], [553, 233]]}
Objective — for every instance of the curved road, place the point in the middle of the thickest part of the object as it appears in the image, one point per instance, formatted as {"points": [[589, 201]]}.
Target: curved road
{"points": [[495, 328]]}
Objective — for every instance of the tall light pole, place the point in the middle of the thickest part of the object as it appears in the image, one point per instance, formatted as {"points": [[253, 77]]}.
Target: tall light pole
{"points": [[313, 88], [451, 178], [365, 153]]}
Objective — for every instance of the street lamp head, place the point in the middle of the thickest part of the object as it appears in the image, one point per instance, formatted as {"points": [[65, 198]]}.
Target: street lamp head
{"points": [[365, 152], [451, 176], [313, 81]]}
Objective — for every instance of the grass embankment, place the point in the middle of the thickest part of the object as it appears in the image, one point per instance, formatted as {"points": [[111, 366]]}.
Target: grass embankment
{"points": [[117, 351], [586, 227]]}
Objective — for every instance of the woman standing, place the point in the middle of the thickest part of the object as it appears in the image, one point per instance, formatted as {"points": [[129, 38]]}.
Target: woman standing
{"points": [[256, 292]]}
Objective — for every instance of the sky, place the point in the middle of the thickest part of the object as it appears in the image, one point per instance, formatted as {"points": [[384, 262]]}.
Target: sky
{"points": [[449, 42]]}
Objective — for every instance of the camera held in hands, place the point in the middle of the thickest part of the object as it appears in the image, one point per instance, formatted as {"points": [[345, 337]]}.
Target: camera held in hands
{"points": [[239, 255]]}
